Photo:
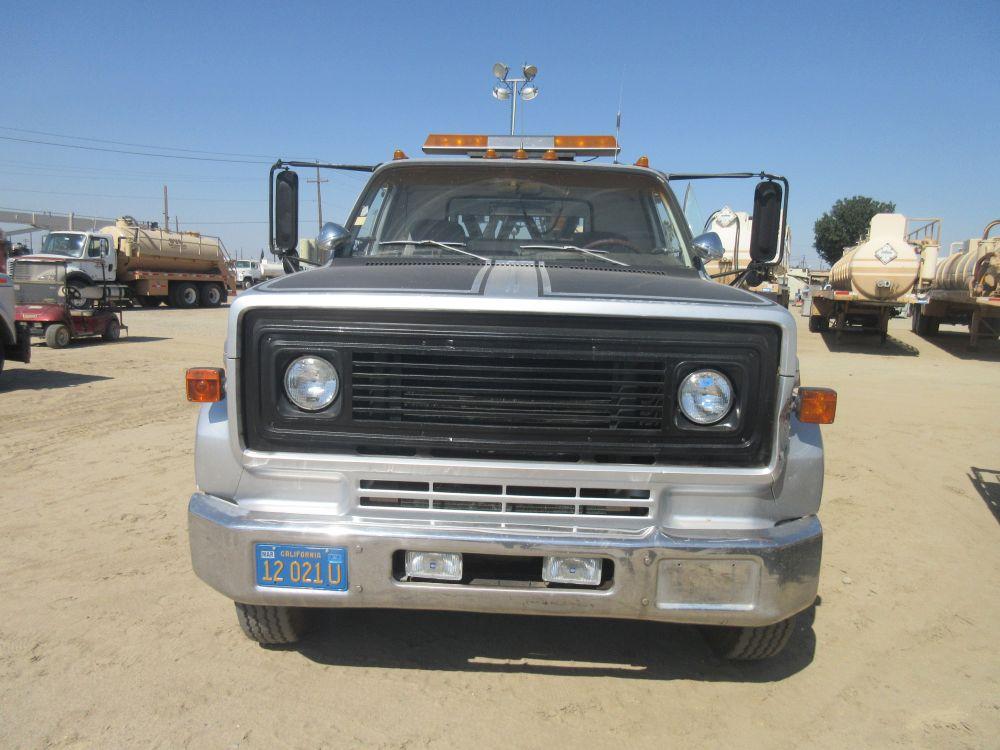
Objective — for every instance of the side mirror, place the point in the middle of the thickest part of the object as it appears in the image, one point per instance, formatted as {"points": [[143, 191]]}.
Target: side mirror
{"points": [[330, 237], [286, 211], [765, 234], [708, 247]]}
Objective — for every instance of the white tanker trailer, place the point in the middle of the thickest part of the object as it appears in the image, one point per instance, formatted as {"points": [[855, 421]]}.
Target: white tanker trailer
{"points": [[872, 280], [734, 229], [963, 288]]}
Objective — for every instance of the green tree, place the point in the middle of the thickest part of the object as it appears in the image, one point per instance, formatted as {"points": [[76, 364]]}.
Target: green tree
{"points": [[845, 224]]}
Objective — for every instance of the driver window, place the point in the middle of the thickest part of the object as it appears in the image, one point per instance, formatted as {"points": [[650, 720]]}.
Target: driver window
{"points": [[94, 249], [105, 247]]}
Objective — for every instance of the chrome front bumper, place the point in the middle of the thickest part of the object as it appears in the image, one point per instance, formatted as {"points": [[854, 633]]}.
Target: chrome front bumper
{"points": [[744, 577]]}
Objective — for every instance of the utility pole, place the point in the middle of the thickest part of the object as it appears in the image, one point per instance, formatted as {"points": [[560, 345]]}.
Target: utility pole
{"points": [[319, 196], [177, 225], [166, 214]]}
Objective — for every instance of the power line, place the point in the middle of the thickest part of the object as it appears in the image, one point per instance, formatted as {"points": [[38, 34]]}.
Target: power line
{"points": [[131, 197], [126, 143], [132, 153]]}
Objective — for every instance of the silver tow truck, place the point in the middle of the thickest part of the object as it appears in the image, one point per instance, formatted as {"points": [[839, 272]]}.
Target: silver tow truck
{"points": [[512, 389]]}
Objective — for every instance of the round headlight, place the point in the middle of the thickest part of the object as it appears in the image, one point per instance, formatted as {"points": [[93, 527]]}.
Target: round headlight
{"points": [[705, 396], [311, 383]]}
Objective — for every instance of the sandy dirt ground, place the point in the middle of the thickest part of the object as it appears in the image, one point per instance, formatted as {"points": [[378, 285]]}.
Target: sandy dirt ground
{"points": [[107, 639]]}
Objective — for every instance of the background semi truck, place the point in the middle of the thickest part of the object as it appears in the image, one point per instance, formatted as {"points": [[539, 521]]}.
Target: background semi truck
{"points": [[142, 264]]}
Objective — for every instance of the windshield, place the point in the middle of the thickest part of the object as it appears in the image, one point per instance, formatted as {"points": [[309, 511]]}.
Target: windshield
{"points": [[243, 264], [62, 243], [519, 213]]}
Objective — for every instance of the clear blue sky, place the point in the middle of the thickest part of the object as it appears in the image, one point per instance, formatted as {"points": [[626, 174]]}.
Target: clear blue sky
{"points": [[897, 101]]}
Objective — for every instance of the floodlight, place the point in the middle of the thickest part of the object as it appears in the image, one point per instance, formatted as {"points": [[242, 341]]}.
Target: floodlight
{"points": [[529, 91], [530, 71], [501, 92], [500, 71]]}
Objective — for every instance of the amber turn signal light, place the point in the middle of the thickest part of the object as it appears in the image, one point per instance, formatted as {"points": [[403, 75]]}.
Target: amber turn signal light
{"points": [[817, 405], [204, 384]]}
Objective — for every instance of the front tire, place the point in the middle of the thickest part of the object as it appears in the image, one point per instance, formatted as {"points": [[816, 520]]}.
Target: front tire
{"points": [[272, 625], [749, 643], [57, 336]]}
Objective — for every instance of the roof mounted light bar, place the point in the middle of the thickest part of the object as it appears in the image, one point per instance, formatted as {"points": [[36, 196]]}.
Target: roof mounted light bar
{"points": [[565, 146]]}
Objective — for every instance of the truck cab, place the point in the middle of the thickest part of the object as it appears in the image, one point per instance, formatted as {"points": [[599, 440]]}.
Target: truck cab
{"points": [[91, 263], [248, 273], [512, 389]]}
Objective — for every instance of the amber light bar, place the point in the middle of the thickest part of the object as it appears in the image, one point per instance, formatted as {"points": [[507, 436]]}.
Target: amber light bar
{"points": [[204, 384], [506, 145]]}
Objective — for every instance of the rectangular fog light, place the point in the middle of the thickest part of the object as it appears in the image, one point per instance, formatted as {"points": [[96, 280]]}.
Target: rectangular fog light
{"points": [[445, 566], [579, 570], [707, 584]]}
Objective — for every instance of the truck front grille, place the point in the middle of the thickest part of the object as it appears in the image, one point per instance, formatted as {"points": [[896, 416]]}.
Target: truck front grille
{"points": [[508, 387], [516, 390]]}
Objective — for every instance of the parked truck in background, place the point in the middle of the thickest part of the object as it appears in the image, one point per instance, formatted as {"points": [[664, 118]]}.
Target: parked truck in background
{"points": [[248, 273], [512, 389], [144, 265], [735, 229], [962, 288], [872, 281]]}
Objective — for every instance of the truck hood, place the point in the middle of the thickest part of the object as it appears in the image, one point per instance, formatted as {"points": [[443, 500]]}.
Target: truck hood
{"points": [[512, 280]]}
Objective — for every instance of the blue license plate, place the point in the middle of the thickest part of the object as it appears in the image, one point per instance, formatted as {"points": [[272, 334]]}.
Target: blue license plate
{"points": [[297, 566]]}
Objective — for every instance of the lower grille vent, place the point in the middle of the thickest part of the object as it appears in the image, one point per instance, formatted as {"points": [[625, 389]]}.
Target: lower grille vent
{"points": [[509, 499]]}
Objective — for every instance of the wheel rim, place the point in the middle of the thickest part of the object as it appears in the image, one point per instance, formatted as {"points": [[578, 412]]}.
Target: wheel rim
{"points": [[62, 336], [214, 295], [189, 295]]}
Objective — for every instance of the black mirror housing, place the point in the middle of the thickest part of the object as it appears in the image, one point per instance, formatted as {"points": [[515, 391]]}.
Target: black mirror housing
{"points": [[286, 211], [766, 231]]}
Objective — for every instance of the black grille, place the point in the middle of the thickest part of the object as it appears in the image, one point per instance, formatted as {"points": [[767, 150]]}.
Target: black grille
{"points": [[515, 387], [517, 390]]}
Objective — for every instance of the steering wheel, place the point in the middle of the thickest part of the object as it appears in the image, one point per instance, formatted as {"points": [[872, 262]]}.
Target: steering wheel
{"points": [[612, 242]]}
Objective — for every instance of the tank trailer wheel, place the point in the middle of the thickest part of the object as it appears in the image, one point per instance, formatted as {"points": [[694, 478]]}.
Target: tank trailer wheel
{"points": [[818, 323], [113, 331], [184, 295], [57, 336], [749, 643], [924, 325], [272, 625], [211, 295]]}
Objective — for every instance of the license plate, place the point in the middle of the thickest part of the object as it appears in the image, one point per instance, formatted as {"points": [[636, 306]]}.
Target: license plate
{"points": [[297, 566]]}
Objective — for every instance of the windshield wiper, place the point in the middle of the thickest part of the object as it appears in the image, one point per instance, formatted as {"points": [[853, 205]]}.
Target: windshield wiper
{"points": [[594, 253], [453, 246]]}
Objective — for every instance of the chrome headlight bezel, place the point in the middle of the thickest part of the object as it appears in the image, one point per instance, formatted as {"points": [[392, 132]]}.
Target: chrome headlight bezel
{"points": [[714, 383], [325, 377]]}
